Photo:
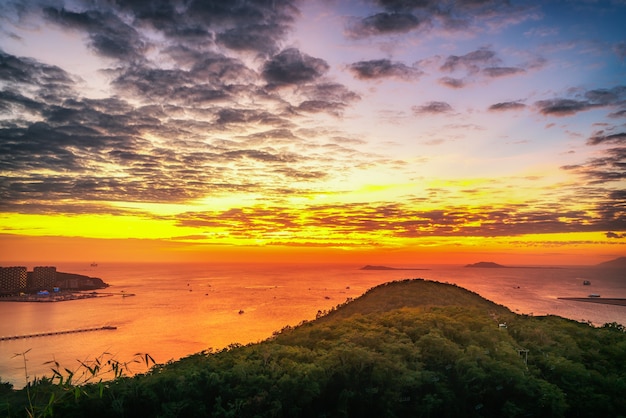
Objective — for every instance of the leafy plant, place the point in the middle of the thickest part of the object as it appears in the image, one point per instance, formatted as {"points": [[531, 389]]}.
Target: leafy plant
{"points": [[65, 384]]}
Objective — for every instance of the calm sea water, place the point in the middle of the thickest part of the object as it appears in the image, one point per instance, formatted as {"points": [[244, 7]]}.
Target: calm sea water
{"points": [[181, 309]]}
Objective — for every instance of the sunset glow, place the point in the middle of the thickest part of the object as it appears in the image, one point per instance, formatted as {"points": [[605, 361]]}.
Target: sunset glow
{"points": [[399, 132]]}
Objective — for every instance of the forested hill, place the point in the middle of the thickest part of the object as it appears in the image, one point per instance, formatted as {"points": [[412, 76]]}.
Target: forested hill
{"points": [[413, 294], [412, 348]]}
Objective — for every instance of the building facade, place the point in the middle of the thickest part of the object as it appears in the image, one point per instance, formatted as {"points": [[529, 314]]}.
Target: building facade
{"points": [[13, 279], [43, 278]]}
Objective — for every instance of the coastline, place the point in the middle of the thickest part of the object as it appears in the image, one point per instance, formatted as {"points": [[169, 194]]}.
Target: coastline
{"points": [[54, 297], [604, 301]]}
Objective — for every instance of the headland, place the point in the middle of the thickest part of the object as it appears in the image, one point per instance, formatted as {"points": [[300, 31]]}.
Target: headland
{"points": [[45, 284]]}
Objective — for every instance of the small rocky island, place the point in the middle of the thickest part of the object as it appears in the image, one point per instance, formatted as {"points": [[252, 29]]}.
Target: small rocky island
{"points": [[369, 267], [487, 265]]}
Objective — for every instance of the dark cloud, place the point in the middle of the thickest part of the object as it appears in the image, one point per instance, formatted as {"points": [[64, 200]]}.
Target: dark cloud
{"points": [[611, 234], [228, 115], [472, 62], [291, 66], [433, 107], [45, 80], [109, 35], [334, 92], [211, 78], [589, 100], [507, 106], [480, 62], [562, 107], [502, 71], [382, 24], [254, 25], [322, 106], [608, 168], [13, 102], [383, 68], [601, 138], [263, 38], [94, 149], [604, 97], [400, 16], [618, 115], [620, 50], [330, 98], [455, 83]]}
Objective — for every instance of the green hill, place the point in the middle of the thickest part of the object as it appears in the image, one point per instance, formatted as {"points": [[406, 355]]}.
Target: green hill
{"points": [[412, 294], [411, 348]]}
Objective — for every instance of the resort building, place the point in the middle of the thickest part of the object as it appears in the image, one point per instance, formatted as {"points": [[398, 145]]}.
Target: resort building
{"points": [[13, 279], [43, 278]]}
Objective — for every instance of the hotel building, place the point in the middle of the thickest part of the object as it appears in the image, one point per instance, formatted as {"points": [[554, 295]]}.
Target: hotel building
{"points": [[13, 279], [43, 278]]}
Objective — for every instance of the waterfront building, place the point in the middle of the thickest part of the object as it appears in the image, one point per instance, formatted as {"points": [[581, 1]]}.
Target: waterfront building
{"points": [[43, 278], [13, 279]]}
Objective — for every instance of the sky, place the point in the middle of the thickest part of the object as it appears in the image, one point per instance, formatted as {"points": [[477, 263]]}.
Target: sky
{"points": [[378, 131]]}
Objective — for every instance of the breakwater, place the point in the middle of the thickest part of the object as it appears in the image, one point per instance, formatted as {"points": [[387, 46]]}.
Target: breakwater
{"points": [[48, 334]]}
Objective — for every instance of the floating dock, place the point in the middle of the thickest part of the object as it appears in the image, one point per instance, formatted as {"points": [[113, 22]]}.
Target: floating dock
{"points": [[48, 334]]}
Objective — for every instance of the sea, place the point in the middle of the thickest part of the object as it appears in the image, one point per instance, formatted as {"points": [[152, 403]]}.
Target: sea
{"points": [[180, 309]]}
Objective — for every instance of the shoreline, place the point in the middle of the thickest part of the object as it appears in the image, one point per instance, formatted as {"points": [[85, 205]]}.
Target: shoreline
{"points": [[54, 297], [604, 301]]}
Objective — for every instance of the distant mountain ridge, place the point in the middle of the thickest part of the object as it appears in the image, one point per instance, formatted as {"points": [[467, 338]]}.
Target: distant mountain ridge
{"points": [[492, 265], [616, 263]]}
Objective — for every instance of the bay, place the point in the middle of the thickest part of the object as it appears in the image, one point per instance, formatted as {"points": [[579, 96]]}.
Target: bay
{"points": [[181, 309]]}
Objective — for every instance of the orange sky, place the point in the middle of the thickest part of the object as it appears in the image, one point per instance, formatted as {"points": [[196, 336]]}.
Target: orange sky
{"points": [[50, 250], [401, 133]]}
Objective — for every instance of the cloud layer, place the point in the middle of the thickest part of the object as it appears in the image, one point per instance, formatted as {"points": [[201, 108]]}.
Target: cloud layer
{"points": [[207, 100]]}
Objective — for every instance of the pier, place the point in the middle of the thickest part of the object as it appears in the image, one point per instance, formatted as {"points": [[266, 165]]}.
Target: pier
{"points": [[48, 334]]}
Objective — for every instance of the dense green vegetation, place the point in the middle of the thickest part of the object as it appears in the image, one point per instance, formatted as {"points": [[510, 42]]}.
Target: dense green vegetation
{"points": [[410, 348]]}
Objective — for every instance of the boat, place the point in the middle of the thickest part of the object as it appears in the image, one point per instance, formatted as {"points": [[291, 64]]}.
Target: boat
{"points": [[94, 264], [586, 282], [594, 295]]}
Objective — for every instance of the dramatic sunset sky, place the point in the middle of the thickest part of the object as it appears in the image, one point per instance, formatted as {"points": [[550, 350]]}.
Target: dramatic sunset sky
{"points": [[387, 131]]}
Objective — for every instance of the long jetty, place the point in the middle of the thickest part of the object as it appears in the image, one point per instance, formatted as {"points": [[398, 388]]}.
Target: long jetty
{"points": [[48, 334]]}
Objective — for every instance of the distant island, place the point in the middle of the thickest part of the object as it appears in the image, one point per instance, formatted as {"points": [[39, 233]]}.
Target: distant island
{"points": [[492, 265], [618, 263], [369, 267], [487, 265]]}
